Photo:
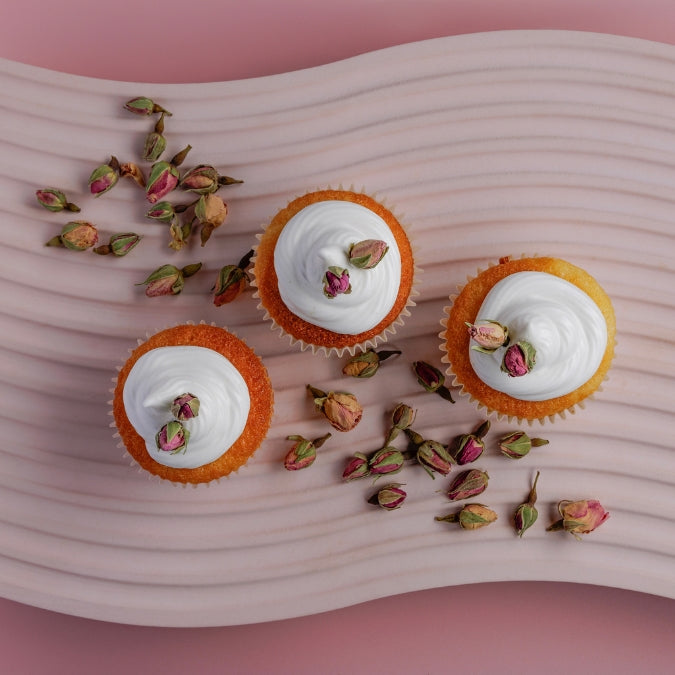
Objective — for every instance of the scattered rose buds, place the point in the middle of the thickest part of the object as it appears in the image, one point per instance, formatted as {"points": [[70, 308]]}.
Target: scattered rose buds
{"points": [[387, 460], [356, 467], [336, 282], [432, 379], [185, 407], [367, 363], [580, 517], [54, 200], [470, 517], [468, 484], [488, 335], [389, 497], [517, 444], [119, 244], [168, 279], [77, 235], [519, 359], [526, 514], [104, 177], [303, 452], [367, 254], [173, 437], [468, 448], [144, 106], [340, 408]]}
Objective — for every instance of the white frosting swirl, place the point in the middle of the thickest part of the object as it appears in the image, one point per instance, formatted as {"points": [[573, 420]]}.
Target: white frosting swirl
{"points": [[162, 374], [318, 237], [562, 323]]}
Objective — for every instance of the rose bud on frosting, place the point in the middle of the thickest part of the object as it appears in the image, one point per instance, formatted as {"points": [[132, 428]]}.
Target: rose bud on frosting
{"points": [[173, 437], [77, 235], [488, 335], [519, 359], [518, 444], [303, 452], [432, 379], [389, 497], [168, 279], [185, 407], [356, 467], [468, 484], [367, 363], [336, 281], [367, 254], [580, 517], [341, 409], [526, 514], [54, 200], [104, 177], [142, 105], [388, 460], [470, 517]]}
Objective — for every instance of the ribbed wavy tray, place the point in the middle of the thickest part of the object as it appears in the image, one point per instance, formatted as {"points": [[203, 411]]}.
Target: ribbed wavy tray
{"points": [[491, 144]]}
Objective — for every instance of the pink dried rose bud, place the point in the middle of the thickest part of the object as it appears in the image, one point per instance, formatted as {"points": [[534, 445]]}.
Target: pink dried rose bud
{"points": [[488, 335], [119, 244], [434, 458], [468, 448], [468, 484], [336, 282], [470, 517], [518, 444], [303, 452], [163, 179], [580, 517], [367, 363], [162, 211], [204, 179], [185, 407], [54, 200], [133, 171], [168, 279], [432, 379], [519, 359], [388, 460], [368, 253], [231, 282], [356, 467], [340, 408], [526, 514], [389, 497], [401, 419], [173, 437], [77, 235], [104, 177], [142, 105]]}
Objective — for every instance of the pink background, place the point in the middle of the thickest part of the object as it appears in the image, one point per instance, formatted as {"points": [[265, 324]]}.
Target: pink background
{"points": [[531, 627]]}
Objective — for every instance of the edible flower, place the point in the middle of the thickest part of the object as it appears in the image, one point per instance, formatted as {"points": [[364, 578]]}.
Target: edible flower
{"points": [[431, 455], [470, 517], [526, 514], [489, 335], [389, 497], [388, 460], [164, 177], [519, 359], [341, 409], [77, 235], [168, 279], [432, 379], [142, 105], [336, 281], [211, 212], [119, 244], [468, 484], [518, 444], [204, 179], [401, 419], [185, 407], [303, 452], [162, 211], [173, 437], [367, 254], [232, 280], [133, 171], [367, 363], [580, 517], [468, 448], [54, 200], [155, 143], [356, 467], [104, 177]]}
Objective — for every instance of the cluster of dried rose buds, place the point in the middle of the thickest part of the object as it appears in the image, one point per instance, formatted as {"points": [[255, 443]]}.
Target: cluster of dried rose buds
{"points": [[518, 359], [364, 255], [173, 437]]}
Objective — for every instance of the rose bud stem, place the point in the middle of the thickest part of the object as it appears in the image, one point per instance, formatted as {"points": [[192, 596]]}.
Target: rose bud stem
{"points": [[179, 158]]}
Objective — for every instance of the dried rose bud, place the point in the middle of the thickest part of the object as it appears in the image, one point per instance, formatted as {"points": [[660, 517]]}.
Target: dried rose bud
{"points": [[119, 244], [468, 448], [231, 282], [357, 467], [470, 517], [388, 460], [519, 359], [204, 179], [303, 452], [154, 146], [488, 335], [367, 254], [336, 281], [54, 200], [341, 409], [168, 280], [402, 417], [517, 444], [580, 517], [133, 171], [179, 233], [526, 514], [389, 497], [163, 179], [77, 235], [173, 437], [211, 212], [185, 407], [434, 458], [144, 106], [432, 379], [367, 363], [468, 484], [104, 177], [162, 211]]}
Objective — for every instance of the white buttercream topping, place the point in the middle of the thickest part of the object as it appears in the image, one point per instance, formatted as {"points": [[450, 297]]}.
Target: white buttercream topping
{"points": [[558, 319], [162, 374], [318, 237]]}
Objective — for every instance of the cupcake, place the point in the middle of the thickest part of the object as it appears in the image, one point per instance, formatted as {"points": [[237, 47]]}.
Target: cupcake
{"points": [[192, 403], [530, 338], [334, 271]]}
